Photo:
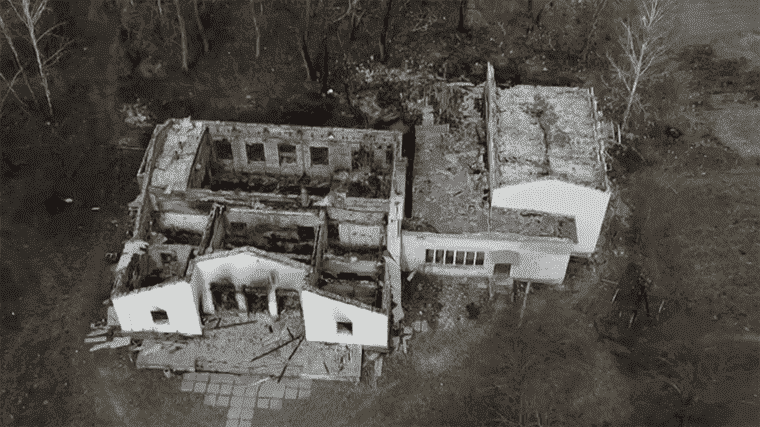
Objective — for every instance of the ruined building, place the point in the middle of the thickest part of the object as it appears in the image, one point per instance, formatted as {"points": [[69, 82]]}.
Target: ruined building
{"points": [[237, 221]]}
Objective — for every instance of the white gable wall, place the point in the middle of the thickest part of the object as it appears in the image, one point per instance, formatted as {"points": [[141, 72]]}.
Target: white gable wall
{"points": [[242, 269], [586, 205], [176, 299], [321, 315]]}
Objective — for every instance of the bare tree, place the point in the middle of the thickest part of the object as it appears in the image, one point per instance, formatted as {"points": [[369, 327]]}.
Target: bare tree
{"points": [[182, 35], [646, 41], [384, 32], [19, 72], [462, 26], [201, 30], [29, 14], [598, 8], [257, 24]]}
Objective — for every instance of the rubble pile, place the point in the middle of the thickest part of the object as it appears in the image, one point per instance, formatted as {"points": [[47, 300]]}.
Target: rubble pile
{"points": [[238, 344], [137, 115]]}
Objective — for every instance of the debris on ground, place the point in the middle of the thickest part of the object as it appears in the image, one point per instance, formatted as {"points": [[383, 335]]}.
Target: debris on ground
{"points": [[420, 326], [113, 319], [137, 115], [116, 343]]}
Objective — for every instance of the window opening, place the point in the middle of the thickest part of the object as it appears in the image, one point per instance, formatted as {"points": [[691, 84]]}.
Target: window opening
{"points": [[287, 154], [439, 256], [449, 257], [159, 317], [306, 233], [223, 149], [459, 258], [430, 256], [479, 258], [502, 269], [346, 328], [255, 152], [470, 258], [320, 156]]}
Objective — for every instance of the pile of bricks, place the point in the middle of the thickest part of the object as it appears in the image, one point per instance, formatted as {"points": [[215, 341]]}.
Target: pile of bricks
{"points": [[243, 394]]}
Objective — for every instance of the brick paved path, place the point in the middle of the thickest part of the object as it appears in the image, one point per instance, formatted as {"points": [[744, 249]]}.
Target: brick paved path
{"points": [[244, 394]]}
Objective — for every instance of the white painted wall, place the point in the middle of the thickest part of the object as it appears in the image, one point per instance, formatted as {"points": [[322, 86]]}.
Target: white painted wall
{"points": [[177, 299], [540, 260], [241, 269], [587, 205], [321, 314]]}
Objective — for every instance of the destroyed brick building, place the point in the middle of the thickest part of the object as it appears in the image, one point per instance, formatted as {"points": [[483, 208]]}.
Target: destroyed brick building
{"points": [[303, 225]]}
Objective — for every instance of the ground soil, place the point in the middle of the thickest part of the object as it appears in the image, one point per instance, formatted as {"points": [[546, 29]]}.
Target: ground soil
{"points": [[687, 212]]}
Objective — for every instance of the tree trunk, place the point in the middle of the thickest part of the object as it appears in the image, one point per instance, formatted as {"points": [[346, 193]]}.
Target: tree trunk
{"points": [[311, 73], [33, 38], [201, 30], [18, 59], [325, 62], [384, 32], [630, 101], [256, 27], [183, 36], [461, 27]]}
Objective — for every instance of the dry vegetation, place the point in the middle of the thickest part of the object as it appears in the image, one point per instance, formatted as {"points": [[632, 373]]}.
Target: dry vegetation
{"points": [[685, 208]]}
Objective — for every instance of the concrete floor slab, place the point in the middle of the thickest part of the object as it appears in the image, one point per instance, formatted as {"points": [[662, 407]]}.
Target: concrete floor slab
{"points": [[249, 402], [187, 386], [266, 389], [304, 383], [277, 390], [275, 404], [263, 403], [213, 388], [227, 378], [200, 387], [238, 390], [252, 391], [234, 412], [245, 379], [223, 401], [232, 423], [246, 414], [210, 400], [291, 393], [225, 389], [237, 401], [304, 393], [215, 378]]}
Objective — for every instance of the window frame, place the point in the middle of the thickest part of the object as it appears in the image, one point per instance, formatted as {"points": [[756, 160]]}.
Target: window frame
{"points": [[469, 258], [326, 155], [459, 258], [282, 155], [218, 151], [449, 260], [249, 147], [341, 329], [159, 316]]}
